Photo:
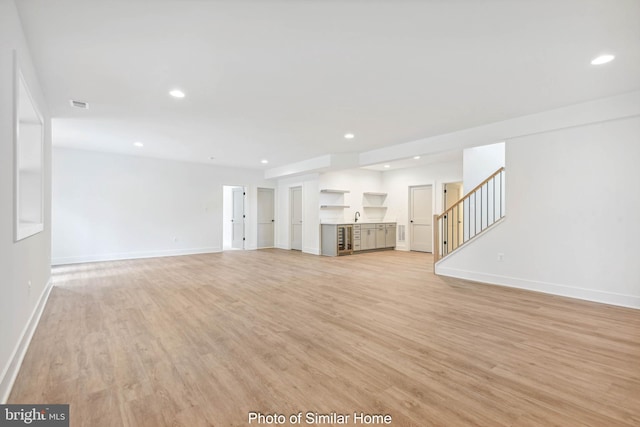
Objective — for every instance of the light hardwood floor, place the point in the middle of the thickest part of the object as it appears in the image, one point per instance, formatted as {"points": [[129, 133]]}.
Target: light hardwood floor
{"points": [[204, 340]]}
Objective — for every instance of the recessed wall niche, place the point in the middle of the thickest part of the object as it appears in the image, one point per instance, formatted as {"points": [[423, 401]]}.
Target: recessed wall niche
{"points": [[28, 139]]}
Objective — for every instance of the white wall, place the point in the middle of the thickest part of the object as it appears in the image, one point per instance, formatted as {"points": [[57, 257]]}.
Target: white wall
{"points": [[396, 184], [310, 213], [357, 181], [111, 206], [624, 105], [354, 180], [227, 216], [27, 260], [478, 163], [572, 216]]}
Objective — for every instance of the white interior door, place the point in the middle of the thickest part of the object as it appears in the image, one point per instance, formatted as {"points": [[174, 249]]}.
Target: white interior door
{"points": [[421, 218], [237, 218], [296, 218], [266, 218]]}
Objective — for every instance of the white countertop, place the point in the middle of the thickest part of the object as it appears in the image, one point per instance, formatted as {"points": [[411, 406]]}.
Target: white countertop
{"points": [[356, 223]]}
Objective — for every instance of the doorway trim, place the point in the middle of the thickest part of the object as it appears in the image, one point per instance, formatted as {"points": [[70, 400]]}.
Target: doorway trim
{"points": [[409, 231], [228, 227]]}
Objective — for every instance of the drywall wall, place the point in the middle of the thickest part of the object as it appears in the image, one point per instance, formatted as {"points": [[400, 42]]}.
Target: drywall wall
{"points": [[227, 216], [356, 181], [572, 216], [480, 162], [310, 215], [611, 108], [26, 261], [397, 182], [111, 206]]}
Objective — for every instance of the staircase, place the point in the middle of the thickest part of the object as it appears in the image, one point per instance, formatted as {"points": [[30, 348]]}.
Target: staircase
{"points": [[470, 216]]}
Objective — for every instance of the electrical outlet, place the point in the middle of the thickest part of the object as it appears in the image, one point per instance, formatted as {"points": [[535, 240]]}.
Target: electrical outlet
{"points": [[500, 257], [29, 286]]}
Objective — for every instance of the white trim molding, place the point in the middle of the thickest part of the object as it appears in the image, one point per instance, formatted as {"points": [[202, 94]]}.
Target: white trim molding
{"points": [[10, 372], [311, 250], [603, 297], [132, 255]]}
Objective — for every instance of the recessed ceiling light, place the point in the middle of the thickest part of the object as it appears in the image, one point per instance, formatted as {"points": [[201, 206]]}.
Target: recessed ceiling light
{"points": [[264, 161], [177, 93], [138, 144], [602, 59], [349, 136], [416, 157], [387, 166]]}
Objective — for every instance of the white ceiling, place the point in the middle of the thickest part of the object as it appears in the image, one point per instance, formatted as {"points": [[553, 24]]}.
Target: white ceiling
{"points": [[421, 160], [285, 80]]}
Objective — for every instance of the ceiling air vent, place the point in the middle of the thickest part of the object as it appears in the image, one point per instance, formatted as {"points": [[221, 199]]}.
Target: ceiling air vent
{"points": [[79, 104]]}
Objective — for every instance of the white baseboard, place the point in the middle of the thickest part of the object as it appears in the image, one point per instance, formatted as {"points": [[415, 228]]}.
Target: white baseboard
{"points": [[132, 255], [312, 251], [15, 361], [307, 250], [630, 301]]}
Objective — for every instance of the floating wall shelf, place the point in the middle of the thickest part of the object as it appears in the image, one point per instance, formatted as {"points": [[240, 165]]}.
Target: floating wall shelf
{"points": [[334, 191], [373, 200]]}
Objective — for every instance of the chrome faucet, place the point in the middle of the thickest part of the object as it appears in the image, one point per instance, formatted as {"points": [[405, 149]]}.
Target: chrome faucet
{"points": [[357, 216]]}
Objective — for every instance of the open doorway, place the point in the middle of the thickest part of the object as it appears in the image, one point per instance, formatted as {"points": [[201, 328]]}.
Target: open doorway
{"points": [[233, 217], [453, 225]]}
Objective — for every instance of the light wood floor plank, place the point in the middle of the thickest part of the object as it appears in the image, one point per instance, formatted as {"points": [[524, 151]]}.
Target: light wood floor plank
{"points": [[202, 340]]}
